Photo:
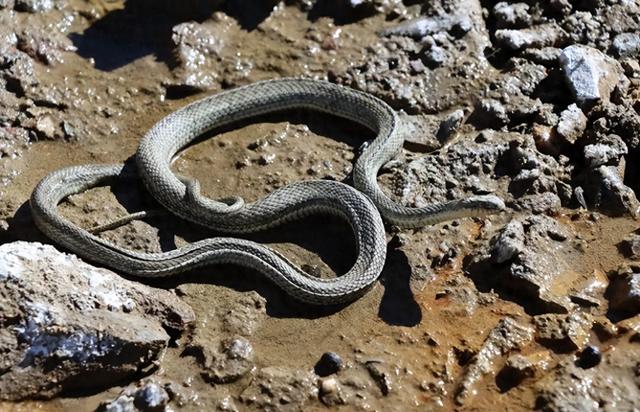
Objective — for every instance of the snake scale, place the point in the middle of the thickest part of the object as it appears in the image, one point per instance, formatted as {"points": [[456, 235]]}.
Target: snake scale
{"points": [[360, 208]]}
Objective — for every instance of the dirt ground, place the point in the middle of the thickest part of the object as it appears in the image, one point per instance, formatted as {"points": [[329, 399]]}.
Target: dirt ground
{"points": [[534, 308]]}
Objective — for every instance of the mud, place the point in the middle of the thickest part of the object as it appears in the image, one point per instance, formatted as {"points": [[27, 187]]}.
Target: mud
{"points": [[536, 308]]}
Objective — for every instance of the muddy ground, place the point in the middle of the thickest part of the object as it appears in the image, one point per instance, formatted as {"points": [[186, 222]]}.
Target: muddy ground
{"points": [[535, 308]]}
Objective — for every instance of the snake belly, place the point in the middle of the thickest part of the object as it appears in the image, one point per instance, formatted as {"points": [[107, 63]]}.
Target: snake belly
{"points": [[289, 203]]}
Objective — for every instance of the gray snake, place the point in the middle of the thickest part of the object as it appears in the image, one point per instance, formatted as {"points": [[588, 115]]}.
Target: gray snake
{"points": [[182, 196]]}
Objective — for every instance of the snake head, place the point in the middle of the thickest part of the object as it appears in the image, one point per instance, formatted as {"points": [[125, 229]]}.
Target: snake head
{"points": [[484, 204]]}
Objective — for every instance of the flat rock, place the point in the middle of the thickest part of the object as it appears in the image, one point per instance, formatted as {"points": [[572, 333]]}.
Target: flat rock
{"points": [[624, 290], [564, 332], [543, 35], [528, 259], [591, 75], [75, 326], [508, 335]]}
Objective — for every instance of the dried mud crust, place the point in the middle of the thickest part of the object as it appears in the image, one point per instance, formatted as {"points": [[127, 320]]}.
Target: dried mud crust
{"points": [[534, 101]]}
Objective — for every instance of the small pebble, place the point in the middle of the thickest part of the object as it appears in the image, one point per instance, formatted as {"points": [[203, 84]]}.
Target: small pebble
{"points": [[328, 364], [590, 357]]}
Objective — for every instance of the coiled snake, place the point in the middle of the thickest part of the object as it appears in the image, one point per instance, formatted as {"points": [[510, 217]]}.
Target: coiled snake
{"points": [[182, 196]]}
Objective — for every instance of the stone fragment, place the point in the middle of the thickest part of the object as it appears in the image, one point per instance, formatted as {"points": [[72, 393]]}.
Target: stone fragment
{"points": [[547, 56], [450, 125], [626, 45], [279, 388], [520, 367], [608, 150], [606, 190], [228, 361], [34, 6], [564, 332], [426, 25], [572, 123], [590, 74], [543, 35], [329, 363], [624, 290], [630, 247], [528, 259], [146, 396], [508, 335], [510, 15], [381, 374], [75, 326], [45, 46]]}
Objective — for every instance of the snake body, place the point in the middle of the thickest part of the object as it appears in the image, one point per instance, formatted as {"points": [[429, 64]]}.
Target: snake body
{"points": [[182, 196]]}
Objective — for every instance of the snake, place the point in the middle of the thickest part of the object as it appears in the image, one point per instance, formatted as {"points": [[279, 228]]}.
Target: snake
{"points": [[363, 207]]}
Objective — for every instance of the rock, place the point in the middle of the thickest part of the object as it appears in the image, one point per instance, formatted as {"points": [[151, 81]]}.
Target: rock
{"points": [[16, 68], [589, 357], [564, 332], [562, 6], [528, 260], [572, 123], [76, 326], [328, 364], [279, 388], [510, 242], [508, 335], [520, 367], [6, 4], [626, 45], [591, 75], [630, 247], [45, 46], [547, 56], [147, 396], [34, 6], [450, 125], [543, 203], [624, 290], [13, 142], [607, 151], [230, 359], [543, 35], [198, 48], [381, 374], [511, 15], [330, 392], [612, 385], [605, 189], [426, 25], [490, 113]]}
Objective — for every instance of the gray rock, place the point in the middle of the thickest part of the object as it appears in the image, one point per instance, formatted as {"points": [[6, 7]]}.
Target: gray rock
{"points": [[508, 335], [590, 74], [511, 15], [426, 25], [630, 247], [608, 152], [148, 395], [572, 123], [231, 360], [45, 46], [605, 189], [626, 44], [34, 6], [624, 290], [547, 56], [538, 36], [534, 253], [75, 326], [611, 386], [279, 388], [6, 4], [491, 113], [510, 242], [450, 125], [382, 374], [564, 332]]}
